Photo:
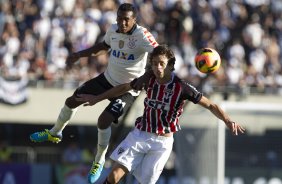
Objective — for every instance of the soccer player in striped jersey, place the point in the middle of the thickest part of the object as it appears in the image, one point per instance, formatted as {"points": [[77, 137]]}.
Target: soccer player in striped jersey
{"points": [[128, 45], [146, 149]]}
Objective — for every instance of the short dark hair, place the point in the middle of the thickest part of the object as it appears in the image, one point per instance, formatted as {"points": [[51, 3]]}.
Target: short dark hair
{"points": [[128, 7], [163, 50]]}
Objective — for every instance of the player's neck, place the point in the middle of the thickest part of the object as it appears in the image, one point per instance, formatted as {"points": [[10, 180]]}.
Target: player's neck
{"points": [[166, 79]]}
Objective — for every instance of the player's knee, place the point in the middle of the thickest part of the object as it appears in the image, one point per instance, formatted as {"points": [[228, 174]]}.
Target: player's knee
{"points": [[113, 178], [71, 102], [105, 120], [117, 173]]}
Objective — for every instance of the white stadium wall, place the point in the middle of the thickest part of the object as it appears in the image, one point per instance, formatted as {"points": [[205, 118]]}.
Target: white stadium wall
{"points": [[44, 104], [43, 107]]}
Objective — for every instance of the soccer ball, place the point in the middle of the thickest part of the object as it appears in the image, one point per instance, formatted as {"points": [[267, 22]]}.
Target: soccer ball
{"points": [[207, 60]]}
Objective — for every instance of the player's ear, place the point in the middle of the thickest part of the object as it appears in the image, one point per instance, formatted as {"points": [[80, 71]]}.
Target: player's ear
{"points": [[171, 63]]}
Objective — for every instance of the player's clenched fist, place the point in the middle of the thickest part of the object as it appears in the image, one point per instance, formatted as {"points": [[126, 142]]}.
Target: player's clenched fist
{"points": [[88, 99], [72, 58]]}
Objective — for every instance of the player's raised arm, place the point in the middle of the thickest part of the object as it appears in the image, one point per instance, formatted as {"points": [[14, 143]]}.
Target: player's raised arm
{"points": [[219, 113], [90, 100], [95, 50]]}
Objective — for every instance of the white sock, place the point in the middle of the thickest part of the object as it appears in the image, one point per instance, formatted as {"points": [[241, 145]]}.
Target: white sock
{"points": [[63, 119], [104, 136]]}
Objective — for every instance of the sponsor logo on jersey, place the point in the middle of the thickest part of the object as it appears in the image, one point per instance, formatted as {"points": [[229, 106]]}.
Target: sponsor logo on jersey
{"points": [[154, 104], [122, 55], [131, 43], [121, 44]]}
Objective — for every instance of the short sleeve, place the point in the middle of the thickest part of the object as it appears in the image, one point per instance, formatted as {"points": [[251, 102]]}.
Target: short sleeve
{"points": [[108, 35], [149, 41], [189, 92]]}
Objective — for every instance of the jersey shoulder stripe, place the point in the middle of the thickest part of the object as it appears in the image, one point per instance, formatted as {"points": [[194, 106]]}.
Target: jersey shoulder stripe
{"points": [[146, 35]]}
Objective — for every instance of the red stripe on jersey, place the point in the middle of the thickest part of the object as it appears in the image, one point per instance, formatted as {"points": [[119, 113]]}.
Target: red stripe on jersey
{"points": [[155, 44], [160, 97], [148, 121], [161, 93], [177, 91], [150, 38], [150, 89], [163, 106], [147, 109], [160, 127]]}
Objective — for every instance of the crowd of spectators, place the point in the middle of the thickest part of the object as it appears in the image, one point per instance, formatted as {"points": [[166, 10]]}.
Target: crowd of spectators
{"points": [[38, 35]]}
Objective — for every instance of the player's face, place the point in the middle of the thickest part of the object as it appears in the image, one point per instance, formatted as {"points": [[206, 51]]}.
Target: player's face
{"points": [[161, 68], [125, 21]]}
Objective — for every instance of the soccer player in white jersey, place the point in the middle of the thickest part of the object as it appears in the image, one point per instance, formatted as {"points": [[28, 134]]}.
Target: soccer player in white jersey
{"points": [[128, 45], [146, 149]]}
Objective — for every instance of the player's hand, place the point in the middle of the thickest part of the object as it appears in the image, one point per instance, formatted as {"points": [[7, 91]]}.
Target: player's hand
{"points": [[235, 128], [87, 99], [142, 81], [72, 58]]}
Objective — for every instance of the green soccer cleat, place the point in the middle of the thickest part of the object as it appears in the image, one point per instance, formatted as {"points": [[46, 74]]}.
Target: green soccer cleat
{"points": [[45, 136], [95, 172]]}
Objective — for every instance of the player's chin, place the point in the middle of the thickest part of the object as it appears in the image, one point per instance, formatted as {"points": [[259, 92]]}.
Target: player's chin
{"points": [[123, 30], [160, 75]]}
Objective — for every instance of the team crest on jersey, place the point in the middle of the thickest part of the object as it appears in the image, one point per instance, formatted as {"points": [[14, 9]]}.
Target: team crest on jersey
{"points": [[168, 92], [121, 44], [131, 44]]}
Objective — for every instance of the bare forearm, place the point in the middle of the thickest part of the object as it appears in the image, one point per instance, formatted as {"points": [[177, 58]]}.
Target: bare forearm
{"points": [[95, 50], [218, 112], [214, 108], [115, 92]]}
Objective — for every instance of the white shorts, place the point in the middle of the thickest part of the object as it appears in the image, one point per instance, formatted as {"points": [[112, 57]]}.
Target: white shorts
{"points": [[144, 155]]}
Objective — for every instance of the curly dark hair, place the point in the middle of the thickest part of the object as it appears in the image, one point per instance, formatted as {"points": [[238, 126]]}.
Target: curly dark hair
{"points": [[163, 50]]}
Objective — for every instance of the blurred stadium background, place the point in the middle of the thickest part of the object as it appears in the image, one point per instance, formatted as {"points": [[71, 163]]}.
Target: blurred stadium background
{"points": [[37, 36]]}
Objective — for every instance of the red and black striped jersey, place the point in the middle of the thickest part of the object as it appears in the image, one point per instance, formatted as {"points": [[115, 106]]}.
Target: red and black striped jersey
{"points": [[163, 105]]}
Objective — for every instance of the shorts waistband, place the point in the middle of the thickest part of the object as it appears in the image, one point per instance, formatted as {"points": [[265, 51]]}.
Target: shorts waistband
{"points": [[159, 136]]}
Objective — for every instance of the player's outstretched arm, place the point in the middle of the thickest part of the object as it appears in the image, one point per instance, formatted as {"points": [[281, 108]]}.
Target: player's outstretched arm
{"points": [[95, 50], [142, 81], [234, 127], [116, 91]]}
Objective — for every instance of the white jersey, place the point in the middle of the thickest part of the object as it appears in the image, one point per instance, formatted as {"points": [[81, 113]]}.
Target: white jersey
{"points": [[128, 55]]}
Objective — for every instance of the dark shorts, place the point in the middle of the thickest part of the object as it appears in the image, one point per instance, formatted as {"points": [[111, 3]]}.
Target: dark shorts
{"points": [[99, 85]]}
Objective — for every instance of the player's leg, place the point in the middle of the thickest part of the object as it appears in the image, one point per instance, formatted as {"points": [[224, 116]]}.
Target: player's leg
{"points": [[55, 133], [94, 86], [111, 114], [149, 171], [104, 135], [67, 112], [127, 156], [117, 172]]}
